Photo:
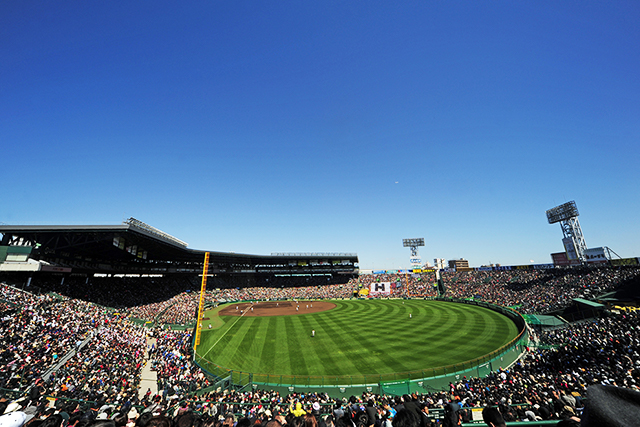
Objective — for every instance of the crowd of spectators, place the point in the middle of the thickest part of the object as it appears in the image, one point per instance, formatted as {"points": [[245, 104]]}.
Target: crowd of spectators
{"points": [[117, 291], [170, 357], [107, 368], [174, 300], [181, 308], [107, 351], [536, 291], [104, 350], [35, 332], [178, 310]]}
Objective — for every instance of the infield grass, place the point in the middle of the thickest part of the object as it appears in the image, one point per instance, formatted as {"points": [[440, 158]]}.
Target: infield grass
{"points": [[358, 337]]}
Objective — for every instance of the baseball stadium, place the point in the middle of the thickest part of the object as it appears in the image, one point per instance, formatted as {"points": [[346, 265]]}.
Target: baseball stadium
{"points": [[129, 313]]}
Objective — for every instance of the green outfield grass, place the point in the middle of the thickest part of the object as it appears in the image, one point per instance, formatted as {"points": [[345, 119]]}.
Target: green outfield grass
{"points": [[358, 337]]}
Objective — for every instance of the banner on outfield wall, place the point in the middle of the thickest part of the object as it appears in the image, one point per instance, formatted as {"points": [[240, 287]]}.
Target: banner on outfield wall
{"points": [[380, 288], [595, 255]]}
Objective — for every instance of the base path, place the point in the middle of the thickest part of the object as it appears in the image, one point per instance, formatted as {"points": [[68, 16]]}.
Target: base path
{"points": [[276, 308]]}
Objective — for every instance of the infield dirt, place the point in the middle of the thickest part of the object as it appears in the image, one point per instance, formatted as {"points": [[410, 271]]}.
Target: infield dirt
{"points": [[276, 308]]}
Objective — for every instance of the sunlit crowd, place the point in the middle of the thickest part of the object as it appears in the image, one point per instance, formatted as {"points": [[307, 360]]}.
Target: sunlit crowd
{"points": [[71, 348]]}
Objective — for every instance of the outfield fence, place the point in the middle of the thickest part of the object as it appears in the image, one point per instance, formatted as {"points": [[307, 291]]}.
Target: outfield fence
{"points": [[429, 379]]}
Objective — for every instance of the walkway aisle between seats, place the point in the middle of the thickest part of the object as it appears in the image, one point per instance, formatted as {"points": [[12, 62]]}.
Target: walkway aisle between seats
{"points": [[149, 378]]}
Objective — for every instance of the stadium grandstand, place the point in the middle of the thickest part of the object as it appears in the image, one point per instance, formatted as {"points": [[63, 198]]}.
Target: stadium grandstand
{"points": [[97, 323], [75, 258]]}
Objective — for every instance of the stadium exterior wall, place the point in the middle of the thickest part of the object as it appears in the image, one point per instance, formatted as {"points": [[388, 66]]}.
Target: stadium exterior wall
{"points": [[426, 380]]}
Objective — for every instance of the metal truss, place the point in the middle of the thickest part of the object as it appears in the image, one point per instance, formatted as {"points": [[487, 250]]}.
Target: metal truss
{"points": [[571, 229]]}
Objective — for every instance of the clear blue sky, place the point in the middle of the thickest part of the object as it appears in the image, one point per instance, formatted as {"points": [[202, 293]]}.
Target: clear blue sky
{"points": [[331, 126]]}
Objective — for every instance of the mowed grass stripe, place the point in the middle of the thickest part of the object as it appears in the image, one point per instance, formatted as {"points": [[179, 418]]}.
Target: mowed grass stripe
{"points": [[320, 347], [333, 346], [269, 346], [356, 346], [242, 342], [282, 363], [346, 346], [296, 357], [446, 340], [448, 347], [382, 310], [307, 345], [364, 345], [361, 337], [496, 331]]}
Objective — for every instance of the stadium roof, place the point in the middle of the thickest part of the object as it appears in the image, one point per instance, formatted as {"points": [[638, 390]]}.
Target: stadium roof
{"points": [[134, 245]]}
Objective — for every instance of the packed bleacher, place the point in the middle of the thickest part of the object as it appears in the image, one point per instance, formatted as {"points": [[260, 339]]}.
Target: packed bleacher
{"points": [[532, 291], [535, 291], [104, 351]]}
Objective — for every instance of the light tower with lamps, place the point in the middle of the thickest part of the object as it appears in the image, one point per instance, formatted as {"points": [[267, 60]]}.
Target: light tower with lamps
{"points": [[413, 244], [567, 215]]}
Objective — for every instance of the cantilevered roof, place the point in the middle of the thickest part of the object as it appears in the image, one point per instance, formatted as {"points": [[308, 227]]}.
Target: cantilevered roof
{"points": [[114, 243]]}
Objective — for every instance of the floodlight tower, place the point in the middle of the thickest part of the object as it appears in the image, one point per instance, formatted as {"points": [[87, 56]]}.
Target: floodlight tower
{"points": [[567, 215], [413, 244]]}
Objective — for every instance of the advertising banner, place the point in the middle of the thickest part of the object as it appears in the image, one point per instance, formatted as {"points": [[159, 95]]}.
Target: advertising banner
{"points": [[624, 261], [570, 248], [560, 258], [380, 288], [595, 255]]}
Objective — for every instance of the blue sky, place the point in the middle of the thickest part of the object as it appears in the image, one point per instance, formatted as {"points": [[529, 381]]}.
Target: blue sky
{"points": [[334, 126]]}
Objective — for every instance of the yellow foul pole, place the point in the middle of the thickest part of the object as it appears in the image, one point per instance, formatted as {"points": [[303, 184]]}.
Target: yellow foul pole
{"points": [[205, 271]]}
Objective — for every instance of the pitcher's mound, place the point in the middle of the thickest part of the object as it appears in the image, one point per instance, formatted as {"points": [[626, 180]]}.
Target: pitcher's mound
{"points": [[276, 308]]}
